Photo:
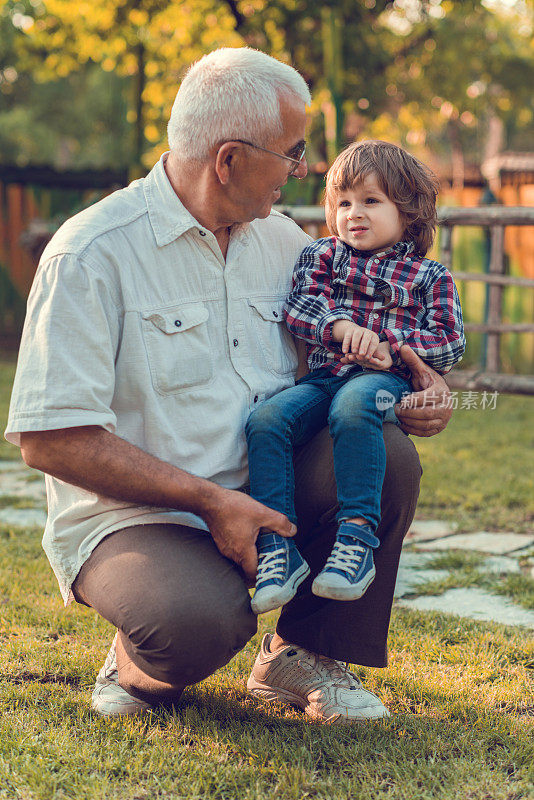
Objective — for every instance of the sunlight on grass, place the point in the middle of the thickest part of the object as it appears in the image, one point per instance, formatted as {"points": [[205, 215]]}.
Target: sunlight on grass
{"points": [[460, 693]]}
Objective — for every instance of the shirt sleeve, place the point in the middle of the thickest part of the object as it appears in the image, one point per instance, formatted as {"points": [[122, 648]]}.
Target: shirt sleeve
{"points": [[65, 374], [440, 341], [310, 309]]}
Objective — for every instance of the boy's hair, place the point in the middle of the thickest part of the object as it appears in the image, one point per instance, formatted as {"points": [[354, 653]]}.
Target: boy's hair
{"points": [[408, 183]]}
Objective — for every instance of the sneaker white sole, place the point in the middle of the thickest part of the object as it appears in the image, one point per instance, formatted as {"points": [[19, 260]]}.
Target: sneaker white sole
{"points": [[106, 708], [271, 598], [269, 695], [323, 586]]}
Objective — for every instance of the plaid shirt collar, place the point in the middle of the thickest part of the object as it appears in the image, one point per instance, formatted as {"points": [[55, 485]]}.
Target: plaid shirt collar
{"points": [[399, 251]]}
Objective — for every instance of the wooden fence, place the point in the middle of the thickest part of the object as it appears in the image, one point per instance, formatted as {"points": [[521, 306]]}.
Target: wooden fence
{"points": [[21, 211], [31, 196], [496, 219]]}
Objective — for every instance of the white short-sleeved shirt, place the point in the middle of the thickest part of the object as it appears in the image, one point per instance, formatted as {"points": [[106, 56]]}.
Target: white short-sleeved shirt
{"points": [[136, 323]]}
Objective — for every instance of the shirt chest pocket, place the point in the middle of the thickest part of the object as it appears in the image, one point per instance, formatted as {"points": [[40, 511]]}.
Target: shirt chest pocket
{"points": [[275, 341], [177, 345]]}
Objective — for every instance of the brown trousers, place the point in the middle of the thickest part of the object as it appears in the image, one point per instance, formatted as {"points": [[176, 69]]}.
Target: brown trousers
{"points": [[184, 609]]}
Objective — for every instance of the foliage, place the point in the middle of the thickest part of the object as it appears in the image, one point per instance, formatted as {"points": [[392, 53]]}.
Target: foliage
{"points": [[428, 73]]}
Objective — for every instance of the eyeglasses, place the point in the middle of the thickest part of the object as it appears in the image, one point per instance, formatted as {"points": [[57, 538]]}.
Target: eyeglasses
{"points": [[300, 152]]}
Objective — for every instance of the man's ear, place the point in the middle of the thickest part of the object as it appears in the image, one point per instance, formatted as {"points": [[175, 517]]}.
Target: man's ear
{"points": [[226, 161]]}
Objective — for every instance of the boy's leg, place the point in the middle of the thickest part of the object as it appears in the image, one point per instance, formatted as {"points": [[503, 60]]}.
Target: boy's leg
{"points": [[353, 631], [356, 424], [272, 430]]}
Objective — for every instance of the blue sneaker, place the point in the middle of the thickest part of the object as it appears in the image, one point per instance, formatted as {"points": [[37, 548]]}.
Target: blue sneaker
{"points": [[350, 568], [281, 570]]}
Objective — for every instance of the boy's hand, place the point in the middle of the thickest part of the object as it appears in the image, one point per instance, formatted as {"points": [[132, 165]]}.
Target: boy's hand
{"points": [[381, 360], [355, 339]]}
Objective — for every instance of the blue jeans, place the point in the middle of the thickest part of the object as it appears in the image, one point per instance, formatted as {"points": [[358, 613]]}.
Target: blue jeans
{"points": [[354, 406]]}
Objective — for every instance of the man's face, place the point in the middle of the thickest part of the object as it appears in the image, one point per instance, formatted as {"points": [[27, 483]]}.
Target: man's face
{"points": [[264, 174]]}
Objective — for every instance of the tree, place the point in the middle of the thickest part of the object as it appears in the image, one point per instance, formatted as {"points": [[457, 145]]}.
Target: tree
{"points": [[436, 74], [147, 43]]}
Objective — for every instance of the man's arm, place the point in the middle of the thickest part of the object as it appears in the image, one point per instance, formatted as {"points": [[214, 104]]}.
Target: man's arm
{"points": [[101, 462], [428, 409]]}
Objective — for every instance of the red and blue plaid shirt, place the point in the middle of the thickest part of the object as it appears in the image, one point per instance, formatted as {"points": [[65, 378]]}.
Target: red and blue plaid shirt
{"points": [[403, 297]]}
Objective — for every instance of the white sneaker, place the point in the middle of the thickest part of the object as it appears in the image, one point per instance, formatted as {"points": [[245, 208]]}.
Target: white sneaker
{"points": [[109, 698], [323, 687]]}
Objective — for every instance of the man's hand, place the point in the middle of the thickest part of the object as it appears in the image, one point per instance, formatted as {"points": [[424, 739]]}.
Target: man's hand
{"points": [[235, 523], [427, 410], [355, 339]]}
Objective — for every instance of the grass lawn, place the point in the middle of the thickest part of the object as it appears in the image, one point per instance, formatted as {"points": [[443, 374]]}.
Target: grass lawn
{"points": [[460, 692]]}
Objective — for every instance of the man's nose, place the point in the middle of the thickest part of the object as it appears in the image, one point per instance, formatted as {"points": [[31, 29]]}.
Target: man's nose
{"points": [[302, 170]]}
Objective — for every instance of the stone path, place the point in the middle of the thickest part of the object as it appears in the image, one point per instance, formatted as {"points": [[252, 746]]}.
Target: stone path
{"points": [[499, 554], [23, 503]]}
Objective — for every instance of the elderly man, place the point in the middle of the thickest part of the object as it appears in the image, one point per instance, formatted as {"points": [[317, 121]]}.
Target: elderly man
{"points": [[154, 326]]}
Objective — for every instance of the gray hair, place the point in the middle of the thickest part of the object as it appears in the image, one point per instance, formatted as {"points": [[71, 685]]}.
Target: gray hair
{"points": [[233, 92]]}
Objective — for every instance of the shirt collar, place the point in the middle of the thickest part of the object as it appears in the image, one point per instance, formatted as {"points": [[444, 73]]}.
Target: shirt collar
{"points": [[168, 216], [399, 251]]}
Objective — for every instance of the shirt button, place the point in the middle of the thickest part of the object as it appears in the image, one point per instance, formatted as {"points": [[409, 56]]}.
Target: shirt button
{"points": [[256, 398], [177, 322], [275, 314], [376, 261], [375, 316], [236, 342], [202, 233]]}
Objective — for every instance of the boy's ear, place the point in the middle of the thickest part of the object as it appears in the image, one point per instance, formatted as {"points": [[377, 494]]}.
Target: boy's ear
{"points": [[227, 160]]}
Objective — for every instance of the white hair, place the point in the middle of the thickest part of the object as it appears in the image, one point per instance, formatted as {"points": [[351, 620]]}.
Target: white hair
{"points": [[231, 93]]}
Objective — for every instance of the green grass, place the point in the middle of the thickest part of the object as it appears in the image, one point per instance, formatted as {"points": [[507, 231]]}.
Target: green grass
{"points": [[16, 501], [480, 470], [7, 372], [460, 693]]}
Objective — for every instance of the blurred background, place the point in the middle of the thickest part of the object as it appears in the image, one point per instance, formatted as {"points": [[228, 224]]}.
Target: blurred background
{"points": [[86, 90]]}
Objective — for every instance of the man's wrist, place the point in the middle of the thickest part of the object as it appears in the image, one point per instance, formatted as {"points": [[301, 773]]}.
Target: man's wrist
{"points": [[207, 498]]}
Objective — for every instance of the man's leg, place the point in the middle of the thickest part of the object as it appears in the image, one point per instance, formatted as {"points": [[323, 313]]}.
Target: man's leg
{"points": [[182, 609], [354, 631]]}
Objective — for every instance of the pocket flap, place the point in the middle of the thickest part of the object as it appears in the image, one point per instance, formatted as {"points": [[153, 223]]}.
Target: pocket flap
{"points": [[178, 319], [270, 310]]}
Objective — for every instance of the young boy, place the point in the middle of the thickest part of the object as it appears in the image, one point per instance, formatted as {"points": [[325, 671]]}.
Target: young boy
{"points": [[357, 297]]}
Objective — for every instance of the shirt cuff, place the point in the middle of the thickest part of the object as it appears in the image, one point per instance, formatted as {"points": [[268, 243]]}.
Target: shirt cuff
{"points": [[395, 337], [323, 329]]}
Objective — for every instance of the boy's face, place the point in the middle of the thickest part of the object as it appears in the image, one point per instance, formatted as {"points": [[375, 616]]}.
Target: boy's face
{"points": [[366, 218]]}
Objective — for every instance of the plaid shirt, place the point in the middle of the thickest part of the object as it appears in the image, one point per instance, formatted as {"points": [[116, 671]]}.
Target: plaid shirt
{"points": [[404, 298]]}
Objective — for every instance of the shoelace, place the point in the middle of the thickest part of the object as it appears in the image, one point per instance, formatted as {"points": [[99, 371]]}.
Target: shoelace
{"points": [[336, 670], [345, 557], [272, 565]]}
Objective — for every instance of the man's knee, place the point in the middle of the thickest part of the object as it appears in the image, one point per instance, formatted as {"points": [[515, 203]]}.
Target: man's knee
{"points": [[403, 468], [189, 643], [400, 490]]}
